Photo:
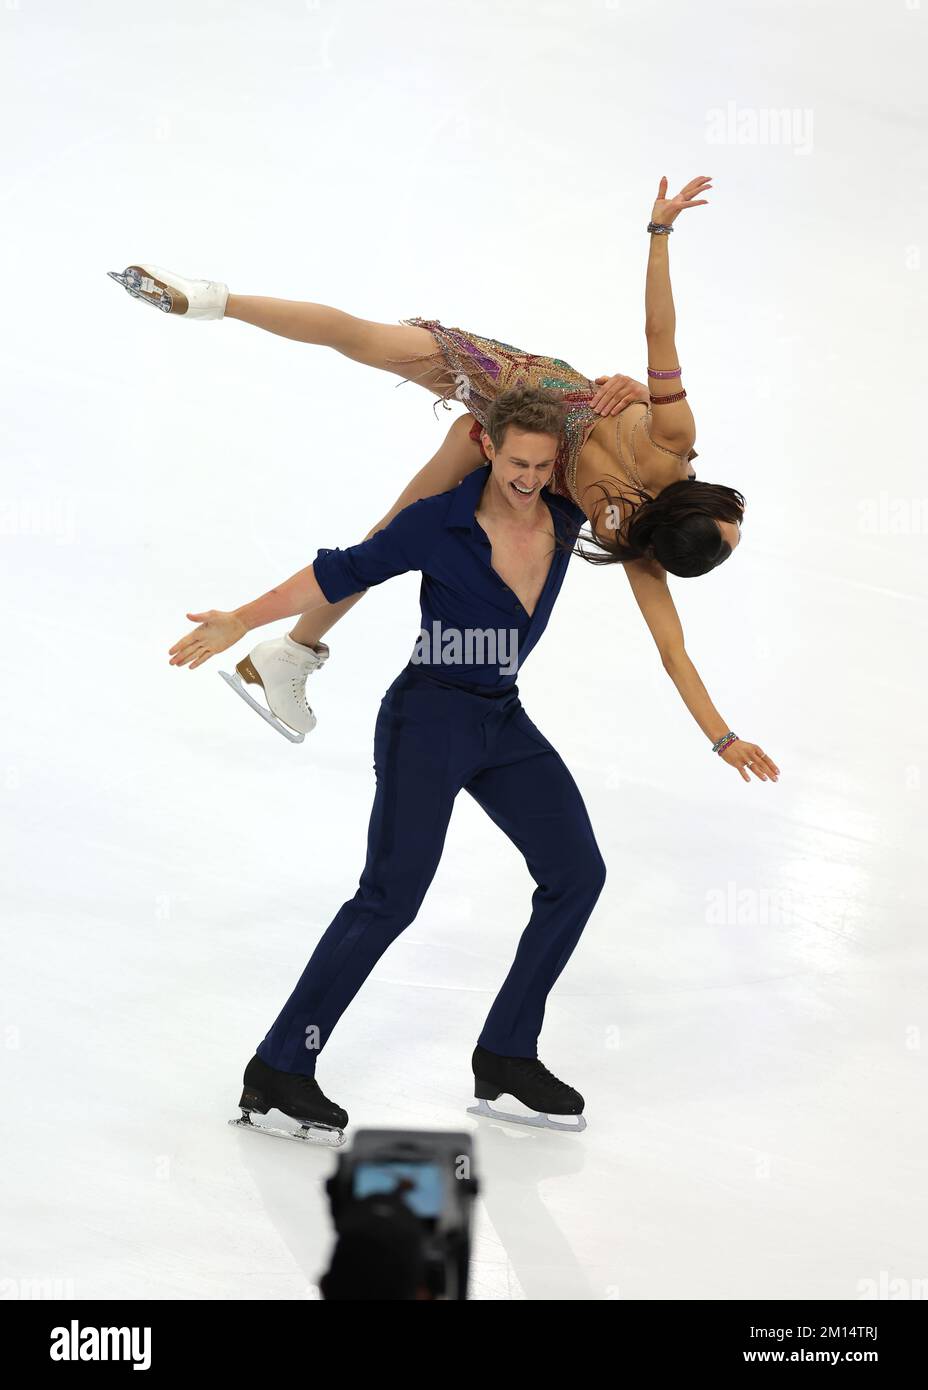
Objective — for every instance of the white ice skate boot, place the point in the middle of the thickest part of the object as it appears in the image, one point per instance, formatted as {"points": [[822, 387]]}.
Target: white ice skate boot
{"points": [[173, 293], [280, 666]]}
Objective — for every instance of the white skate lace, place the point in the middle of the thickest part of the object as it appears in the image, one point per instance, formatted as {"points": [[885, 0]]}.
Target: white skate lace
{"points": [[298, 687]]}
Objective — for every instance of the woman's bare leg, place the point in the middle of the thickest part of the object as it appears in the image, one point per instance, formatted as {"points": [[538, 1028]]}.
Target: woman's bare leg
{"points": [[381, 345], [458, 456], [396, 348]]}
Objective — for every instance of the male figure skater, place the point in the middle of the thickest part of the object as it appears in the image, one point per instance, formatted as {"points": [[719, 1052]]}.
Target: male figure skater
{"points": [[493, 553]]}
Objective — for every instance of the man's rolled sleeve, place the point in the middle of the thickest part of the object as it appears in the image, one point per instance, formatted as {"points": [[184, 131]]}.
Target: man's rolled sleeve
{"points": [[405, 544]]}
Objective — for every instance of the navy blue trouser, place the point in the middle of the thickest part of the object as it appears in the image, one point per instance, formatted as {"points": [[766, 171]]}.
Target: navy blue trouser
{"points": [[431, 739]]}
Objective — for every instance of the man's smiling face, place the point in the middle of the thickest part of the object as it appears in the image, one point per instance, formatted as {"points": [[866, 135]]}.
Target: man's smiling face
{"points": [[522, 465]]}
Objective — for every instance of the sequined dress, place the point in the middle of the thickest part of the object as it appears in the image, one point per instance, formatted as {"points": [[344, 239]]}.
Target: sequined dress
{"points": [[482, 368]]}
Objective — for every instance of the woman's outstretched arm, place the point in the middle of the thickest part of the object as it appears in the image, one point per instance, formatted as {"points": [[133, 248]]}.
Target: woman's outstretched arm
{"points": [[652, 594], [673, 426]]}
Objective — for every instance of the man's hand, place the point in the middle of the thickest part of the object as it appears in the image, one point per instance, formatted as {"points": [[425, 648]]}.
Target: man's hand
{"points": [[748, 758], [618, 392], [216, 632]]}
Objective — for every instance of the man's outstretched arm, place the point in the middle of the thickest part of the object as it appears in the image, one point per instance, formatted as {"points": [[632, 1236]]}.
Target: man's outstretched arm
{"points": [[334, 574]]}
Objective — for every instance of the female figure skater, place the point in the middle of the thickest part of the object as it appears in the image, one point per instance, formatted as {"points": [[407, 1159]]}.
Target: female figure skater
{"points": [[626, 466]]}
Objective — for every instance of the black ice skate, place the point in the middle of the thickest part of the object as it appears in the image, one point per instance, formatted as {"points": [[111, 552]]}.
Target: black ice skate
{"points": [[528, 1081], [321, 1121]]}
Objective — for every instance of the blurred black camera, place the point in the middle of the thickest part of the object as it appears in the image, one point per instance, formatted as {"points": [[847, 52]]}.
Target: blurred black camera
{"points": [[401, 1203]]}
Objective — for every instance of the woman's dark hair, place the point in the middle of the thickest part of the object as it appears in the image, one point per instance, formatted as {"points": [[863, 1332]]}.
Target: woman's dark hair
{"points": [[678, 528]]}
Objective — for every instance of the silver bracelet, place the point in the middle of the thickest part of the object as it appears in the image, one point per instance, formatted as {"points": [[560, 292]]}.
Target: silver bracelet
{"points": [[661, 228]]}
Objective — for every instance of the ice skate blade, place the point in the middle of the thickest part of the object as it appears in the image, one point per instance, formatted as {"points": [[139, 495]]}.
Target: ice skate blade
{"points": [[238, 685], [326, 1135], [144, 289], [537, 1121]]}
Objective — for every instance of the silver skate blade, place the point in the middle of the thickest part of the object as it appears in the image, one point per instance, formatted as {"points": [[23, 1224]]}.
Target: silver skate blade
{"points": [[238, 685], [326, 1135], [537, 1121], [144, 289]]}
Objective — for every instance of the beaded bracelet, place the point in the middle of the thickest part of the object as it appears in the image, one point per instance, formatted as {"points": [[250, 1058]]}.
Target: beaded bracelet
{"points": [[660, 228], [667, 400], [661, 375], [722, 743]]}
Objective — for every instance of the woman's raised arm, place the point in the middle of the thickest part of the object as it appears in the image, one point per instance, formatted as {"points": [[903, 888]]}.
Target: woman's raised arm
{"points": [[673, 422]]}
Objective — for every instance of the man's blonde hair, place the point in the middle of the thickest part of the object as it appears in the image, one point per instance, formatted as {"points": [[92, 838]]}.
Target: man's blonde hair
{"points": [[530, 408]]}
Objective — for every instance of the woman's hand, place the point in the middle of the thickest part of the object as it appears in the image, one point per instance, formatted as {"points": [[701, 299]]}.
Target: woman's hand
{"points": [[618, 392], [748, 758], [216, 632], [666, 210]]}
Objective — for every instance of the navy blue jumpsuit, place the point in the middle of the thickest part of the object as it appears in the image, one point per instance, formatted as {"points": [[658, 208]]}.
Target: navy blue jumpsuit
{"points": [[453, 719]]}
